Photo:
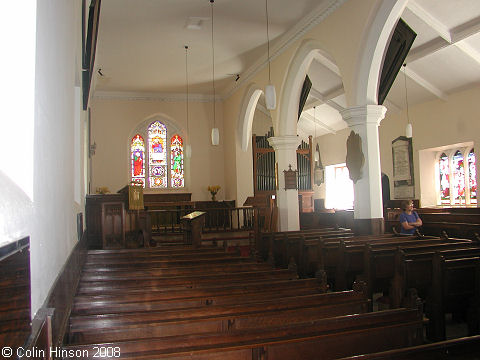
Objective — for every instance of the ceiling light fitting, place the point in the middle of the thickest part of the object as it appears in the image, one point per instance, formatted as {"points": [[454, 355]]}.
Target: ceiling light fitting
{"points": [[215, 132], [270, 93]]}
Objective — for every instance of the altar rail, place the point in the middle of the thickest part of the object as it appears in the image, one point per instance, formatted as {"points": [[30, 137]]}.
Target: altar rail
{"points": [[217, 219]]}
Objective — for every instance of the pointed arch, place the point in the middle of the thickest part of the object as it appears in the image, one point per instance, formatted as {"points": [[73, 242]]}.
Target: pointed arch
{"points": [[157, 154]]}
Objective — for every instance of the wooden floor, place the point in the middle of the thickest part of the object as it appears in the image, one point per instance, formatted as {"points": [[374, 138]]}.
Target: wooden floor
{"points": [[177, 302]]}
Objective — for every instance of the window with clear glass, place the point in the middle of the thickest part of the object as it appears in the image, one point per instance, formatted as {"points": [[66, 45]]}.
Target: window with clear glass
{"points": [[339, 187], [137, 153]]}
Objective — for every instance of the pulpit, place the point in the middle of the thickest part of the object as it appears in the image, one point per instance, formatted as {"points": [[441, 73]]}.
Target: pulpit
{"points": [[193, 224]]}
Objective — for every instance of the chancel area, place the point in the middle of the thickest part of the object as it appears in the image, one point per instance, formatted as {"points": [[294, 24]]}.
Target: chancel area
{"points": [[209, 179]]}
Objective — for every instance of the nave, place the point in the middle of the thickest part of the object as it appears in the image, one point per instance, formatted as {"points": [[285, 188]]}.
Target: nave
{"points": [[180, 302]]}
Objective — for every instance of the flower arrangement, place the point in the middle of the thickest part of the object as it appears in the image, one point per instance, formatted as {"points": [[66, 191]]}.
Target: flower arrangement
{"points": [[213, 189], [102, 190]]}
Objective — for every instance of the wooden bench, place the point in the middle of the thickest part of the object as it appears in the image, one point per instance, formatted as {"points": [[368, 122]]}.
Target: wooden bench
{"points": [[272, 312], [462, 348], [332, 337], [379, 260], [456, 287]]}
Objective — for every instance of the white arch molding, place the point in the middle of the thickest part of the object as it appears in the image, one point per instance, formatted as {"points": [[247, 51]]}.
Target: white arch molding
{"points": [[367, 73], [247, 112], [292, 87]]}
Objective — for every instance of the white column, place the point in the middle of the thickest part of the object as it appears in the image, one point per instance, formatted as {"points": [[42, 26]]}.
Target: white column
{"points": [[287, 200], [364, 120]]}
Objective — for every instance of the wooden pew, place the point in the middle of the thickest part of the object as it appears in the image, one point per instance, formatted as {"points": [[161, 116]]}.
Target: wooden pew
{"points": [[156, 300], [332, 337], [456, 287], [379, 260], [462, 348], [272, 312]]}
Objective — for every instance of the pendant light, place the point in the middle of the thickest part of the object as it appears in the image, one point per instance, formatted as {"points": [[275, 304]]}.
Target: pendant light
{"points": [[270, 94], [408, 129], [188, 148], [215, 132]]}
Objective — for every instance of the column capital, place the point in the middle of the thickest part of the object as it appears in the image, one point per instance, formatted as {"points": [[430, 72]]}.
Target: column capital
{"points": [[365, 114], [286, 142]]}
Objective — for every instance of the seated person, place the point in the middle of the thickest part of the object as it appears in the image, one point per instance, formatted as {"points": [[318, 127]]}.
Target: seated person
{"points": [[409, 219]]}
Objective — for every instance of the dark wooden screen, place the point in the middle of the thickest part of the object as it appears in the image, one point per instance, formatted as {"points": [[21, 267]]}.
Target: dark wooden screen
{"points": [[264, 172]]}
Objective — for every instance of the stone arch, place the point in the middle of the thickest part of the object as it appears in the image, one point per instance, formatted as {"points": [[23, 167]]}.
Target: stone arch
{"points": [[245, 119], [367, 73], [292, 86]]}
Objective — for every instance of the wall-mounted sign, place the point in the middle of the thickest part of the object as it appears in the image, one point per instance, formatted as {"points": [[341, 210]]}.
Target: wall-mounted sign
{"points": [[290, 178], [402, 155]]}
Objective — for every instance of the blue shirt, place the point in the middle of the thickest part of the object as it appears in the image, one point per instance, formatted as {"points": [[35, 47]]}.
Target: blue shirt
{"points": [[409, 219]]}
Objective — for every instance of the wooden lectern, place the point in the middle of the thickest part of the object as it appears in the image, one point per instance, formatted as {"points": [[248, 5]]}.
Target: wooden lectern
{"points": [[193, 224]]}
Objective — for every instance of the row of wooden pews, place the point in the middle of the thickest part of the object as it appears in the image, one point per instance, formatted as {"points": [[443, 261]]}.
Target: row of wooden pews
{"points": [[444, 272], [185, 303]]}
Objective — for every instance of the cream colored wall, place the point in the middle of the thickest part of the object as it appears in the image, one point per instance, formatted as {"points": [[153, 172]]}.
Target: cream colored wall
{"points": [[436, 123], [344, 43], [114, 120]]}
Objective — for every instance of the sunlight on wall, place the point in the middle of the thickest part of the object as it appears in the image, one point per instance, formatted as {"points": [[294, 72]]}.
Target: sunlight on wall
{"points": [[17, 36], [339, 187]]}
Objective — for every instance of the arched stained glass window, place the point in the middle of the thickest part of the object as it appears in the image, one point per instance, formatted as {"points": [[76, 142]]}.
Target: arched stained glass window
{"points": [[137, 154], [458, 174], [176, 155], [444, 179], [472, 172], [157, 147]]}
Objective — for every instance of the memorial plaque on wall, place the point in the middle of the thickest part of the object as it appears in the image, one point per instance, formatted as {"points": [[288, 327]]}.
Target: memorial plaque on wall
{"points": [[403, 180], [290, 178]]}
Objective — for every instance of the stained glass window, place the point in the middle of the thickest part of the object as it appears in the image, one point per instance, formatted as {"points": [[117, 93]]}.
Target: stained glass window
{"points": [[458, 174], [472, 172], [157, 143], [444, 180], [176, 155], [137, 153]]}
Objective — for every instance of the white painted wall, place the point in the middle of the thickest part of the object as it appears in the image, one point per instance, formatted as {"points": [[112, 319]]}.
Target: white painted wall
{"points": [[17, 36], [54, 222]]}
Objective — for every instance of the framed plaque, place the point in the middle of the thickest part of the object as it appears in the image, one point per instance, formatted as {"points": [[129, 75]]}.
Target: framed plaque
{"points": [[290, 178], [402, 156]]}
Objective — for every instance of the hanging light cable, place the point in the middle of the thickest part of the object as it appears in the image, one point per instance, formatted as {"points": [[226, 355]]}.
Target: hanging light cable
{"points": [[188, 148], [317, 153], [408, 129], [215, 132], [270, 94]]}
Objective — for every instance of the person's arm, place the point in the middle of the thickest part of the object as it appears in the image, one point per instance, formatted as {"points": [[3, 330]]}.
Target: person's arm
{"points": [[407, 226], [417, 222]]}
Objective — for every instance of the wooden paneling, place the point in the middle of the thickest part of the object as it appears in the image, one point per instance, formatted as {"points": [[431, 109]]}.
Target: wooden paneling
{"points": [[15, 293]]}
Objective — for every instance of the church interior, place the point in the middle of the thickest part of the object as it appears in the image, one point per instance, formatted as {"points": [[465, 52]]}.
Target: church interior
{"points": [[217, 179]]}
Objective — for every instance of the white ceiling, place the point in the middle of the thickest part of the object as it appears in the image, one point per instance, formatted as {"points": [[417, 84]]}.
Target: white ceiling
{"points": [[139, 39]]}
